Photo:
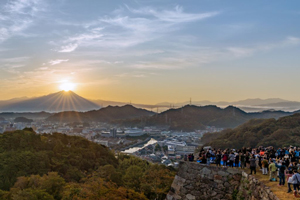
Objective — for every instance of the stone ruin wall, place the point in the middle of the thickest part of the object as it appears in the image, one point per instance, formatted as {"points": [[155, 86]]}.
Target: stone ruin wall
{"points": [[196, 181]]}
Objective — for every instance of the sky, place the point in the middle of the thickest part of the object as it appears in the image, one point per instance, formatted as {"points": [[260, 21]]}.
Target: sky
{"points": [[150, 51]]}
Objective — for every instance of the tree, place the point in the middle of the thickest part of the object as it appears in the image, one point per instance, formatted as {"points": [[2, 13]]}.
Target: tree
{"points": [[132, 178], [157, 147], [156, 181]]}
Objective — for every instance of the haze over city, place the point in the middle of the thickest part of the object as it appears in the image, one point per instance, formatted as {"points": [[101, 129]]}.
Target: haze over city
{"points": [[150, 51]]}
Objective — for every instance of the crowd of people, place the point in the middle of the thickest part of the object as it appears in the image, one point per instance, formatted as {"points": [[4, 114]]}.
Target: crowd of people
{"points": [[282, 163]]}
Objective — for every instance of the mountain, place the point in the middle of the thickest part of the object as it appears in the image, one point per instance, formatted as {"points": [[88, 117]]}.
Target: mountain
{"points": [[257, 101], [106, 114], [10, 101], [56, 102], [285, 104], [23, 119], [246, 102], [282, 132], [190, 117], [105, 103], [31, 115]]}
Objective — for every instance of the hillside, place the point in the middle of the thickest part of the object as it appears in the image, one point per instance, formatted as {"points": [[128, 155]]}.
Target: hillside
{"points": [[259, 132], [31, 115], [58, 166], [56, 102], [190, 117], [23, 120], [107, 114]]}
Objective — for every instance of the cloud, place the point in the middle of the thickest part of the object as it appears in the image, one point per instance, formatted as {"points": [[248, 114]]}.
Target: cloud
{"points": [[174, 16], [55, 62], [17, 15], [130, 27], [290, 40], [250, 50], [240, 51], [68, 48]]}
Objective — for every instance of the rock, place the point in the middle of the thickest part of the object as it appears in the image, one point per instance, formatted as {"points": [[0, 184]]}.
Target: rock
{"points": [[223, 173], [196, 181], [173, 197], [218, 177], [205, 171], [226, 184], [190, 197], [236, 177], [233, 171], [244, 174], [213, 194]]}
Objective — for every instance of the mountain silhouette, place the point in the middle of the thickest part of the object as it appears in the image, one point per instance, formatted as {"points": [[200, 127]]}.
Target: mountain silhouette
{"points": [[107, 114], [191, 117], [56, 102]]}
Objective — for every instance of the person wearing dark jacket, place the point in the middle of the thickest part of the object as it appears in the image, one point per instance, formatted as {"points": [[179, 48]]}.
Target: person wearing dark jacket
{"points": [[237, 160], [218, 158], [243, 161], [253, 164], [281, 168]]}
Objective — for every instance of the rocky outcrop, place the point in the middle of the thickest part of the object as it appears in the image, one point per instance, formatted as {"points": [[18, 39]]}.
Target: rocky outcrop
{"points": [[251, 188], [202, 182]]}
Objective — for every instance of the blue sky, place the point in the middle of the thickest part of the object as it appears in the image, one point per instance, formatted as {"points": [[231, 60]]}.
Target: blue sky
{"points": [[151, 51]]}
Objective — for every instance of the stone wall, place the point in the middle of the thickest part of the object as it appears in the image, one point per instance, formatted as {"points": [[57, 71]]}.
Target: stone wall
{"points": [[251, 188], [203, 182]]}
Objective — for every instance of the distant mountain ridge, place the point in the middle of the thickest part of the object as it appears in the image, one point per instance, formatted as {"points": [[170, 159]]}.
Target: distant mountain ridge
{"points": [[56, 102], [190, 117], [248, 105], [107, 114], [246, 102]]}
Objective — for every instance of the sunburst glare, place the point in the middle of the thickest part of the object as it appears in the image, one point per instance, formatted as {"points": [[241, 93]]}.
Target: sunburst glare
{"points": [[67, 86]]}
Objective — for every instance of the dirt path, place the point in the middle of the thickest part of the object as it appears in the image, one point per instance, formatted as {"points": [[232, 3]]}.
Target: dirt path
{"points": [[280, 192]]}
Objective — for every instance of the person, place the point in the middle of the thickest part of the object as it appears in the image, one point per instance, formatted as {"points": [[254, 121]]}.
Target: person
{"points": [[264, 164], [231, 159], [248, 160], [243, 161], [218, 158], [225, 158], [296, 182], [204, 159], [272, 170], [237, 160], [259, 161], [253, 164], [281, 166], [185, 157], [289, 180]]}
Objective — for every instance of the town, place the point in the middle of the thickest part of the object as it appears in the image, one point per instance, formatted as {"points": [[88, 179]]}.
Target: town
{"points": [[156, 144]]}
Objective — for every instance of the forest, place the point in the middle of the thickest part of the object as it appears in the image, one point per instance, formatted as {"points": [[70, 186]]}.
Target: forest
{"points": [[57, 166], [258, 132]]}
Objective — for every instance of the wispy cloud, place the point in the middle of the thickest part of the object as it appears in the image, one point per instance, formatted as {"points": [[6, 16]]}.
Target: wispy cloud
{"points": [[256, 48], [13, 64], [68, 48], [130, 27], [174, 16], [55, 62], [16, 16]]}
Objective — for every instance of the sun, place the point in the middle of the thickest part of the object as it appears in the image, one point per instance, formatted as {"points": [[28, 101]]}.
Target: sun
{"points": [[67, 86]]}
